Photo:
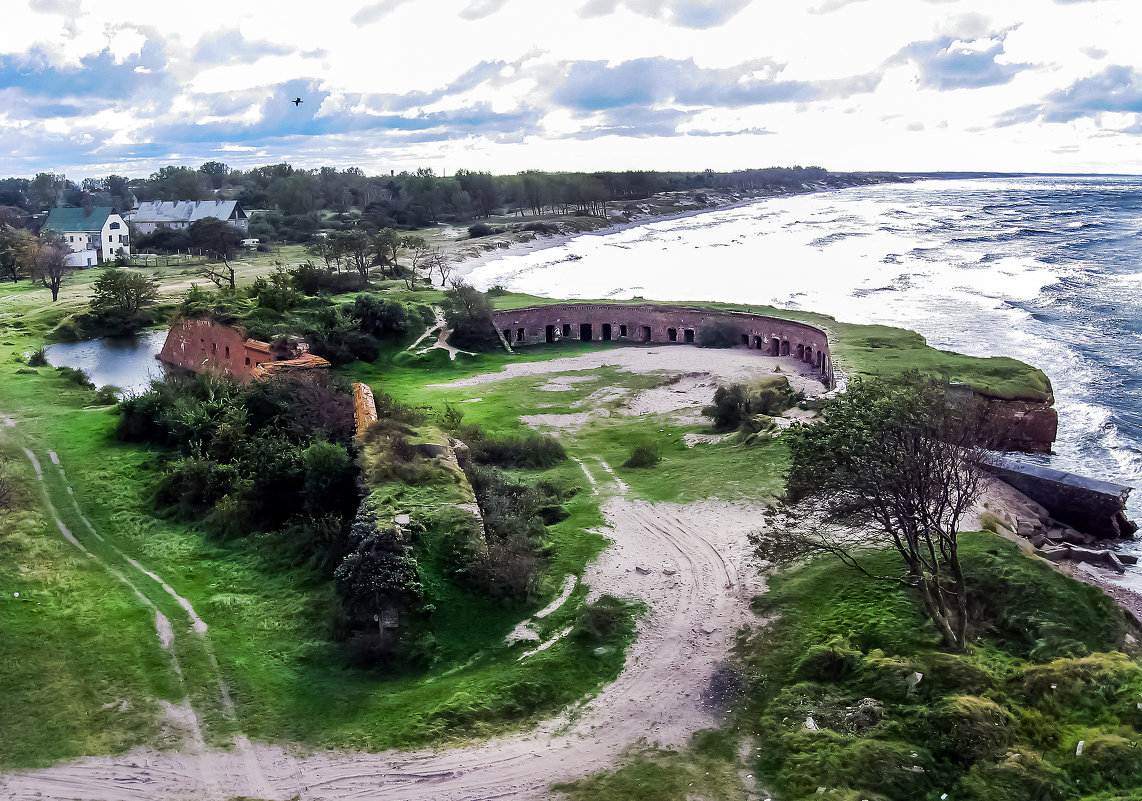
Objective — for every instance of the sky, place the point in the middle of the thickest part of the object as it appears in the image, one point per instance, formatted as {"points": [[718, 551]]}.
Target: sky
{"points": [[94, 87]]}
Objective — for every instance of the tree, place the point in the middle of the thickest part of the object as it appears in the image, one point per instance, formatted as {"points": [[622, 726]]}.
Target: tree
{"points": [[181, 183], [122, 300], [13, 243], [893, 463], [418, 253], [221, 242], [469, 314], [438, 261], [386, 245], [378, 579], [47, 189], [45, 261]]}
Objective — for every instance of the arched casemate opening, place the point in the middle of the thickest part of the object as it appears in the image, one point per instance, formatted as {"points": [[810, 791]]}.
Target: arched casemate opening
{"points": [[659, 324]]}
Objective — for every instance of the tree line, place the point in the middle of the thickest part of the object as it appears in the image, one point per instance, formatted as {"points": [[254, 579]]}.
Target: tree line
{"points": [[297, 201]]}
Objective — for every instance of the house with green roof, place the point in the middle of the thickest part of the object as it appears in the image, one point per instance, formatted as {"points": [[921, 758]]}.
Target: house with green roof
{"points": [[95, 234]]}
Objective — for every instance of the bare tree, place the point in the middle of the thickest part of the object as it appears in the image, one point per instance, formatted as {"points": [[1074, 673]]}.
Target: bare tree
{"points": [[45, 260], [439, 262], [893, 464], [418, 253], [221, 241]]}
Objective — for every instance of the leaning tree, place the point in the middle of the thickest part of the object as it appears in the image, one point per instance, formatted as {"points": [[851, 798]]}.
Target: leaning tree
{"points": [[895, 463]]}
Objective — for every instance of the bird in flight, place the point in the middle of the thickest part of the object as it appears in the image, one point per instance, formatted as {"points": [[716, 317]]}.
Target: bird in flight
{"points": [[297, 101]]}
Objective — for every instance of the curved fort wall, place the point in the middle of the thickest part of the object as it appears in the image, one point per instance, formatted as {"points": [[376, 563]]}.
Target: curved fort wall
{"points": [[664, 325]]}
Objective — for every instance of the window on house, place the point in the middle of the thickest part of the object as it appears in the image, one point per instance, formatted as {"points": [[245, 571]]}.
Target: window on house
{"points": [[114, 226]]}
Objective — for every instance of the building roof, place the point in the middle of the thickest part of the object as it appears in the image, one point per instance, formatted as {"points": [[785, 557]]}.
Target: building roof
{"points": [[188, 211], [91, 218]]}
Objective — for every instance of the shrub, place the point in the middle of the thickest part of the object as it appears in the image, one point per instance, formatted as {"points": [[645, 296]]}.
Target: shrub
{"points": [[1020, 776], [835, 661], [107, 395], [533, 452], [77, 377], [643, 456], [734, 405], [38, 358], [603, 621]]}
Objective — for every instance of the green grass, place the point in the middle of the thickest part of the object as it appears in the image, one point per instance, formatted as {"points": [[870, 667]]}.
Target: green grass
{"points": [[1040, 675], [877, 350], [269, 626], [660, 774]]}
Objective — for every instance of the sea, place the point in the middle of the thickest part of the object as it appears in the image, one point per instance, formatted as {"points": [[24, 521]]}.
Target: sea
{"points": [[1045, 269]]}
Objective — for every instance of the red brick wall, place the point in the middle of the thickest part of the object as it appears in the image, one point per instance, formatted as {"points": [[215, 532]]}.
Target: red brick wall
{"points": [[663, 325], [200, 345]]}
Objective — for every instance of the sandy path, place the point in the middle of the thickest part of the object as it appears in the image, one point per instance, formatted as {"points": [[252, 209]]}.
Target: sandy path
{"points": [[687, 563]]}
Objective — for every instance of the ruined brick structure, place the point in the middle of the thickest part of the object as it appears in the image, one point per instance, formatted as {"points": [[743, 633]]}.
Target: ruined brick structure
{"points": [[652, 324], [202, 345]]}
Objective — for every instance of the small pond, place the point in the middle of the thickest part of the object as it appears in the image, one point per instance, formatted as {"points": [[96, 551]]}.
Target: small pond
{"points": [[125, 362]]}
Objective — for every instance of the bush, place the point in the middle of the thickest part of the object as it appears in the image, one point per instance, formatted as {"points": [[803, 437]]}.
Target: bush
{"points": [[533, 452], [77, 377], [477, 230], [107, 395], [38, 358], [736, 404], [643, 456], [603, 621]]}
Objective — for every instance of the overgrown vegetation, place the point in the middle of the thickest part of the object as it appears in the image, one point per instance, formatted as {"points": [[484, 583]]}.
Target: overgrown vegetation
{"points": [[851, 690], [642, 456], [736, 407], [270, 457]]}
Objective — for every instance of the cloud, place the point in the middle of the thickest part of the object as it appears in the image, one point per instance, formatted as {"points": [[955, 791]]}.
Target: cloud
{"points": [[98, 76], [230, 47], [951, 63], [1116, 88], [375, 11], [597, 85], [478, 9], [699, 14]]}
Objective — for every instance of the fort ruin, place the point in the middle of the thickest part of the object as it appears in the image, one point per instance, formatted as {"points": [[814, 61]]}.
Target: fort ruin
{"points": [[664, 325], [203, 345]]}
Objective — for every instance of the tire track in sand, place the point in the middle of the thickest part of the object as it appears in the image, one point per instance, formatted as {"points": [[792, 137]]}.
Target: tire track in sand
{"points": [[696, 599]]}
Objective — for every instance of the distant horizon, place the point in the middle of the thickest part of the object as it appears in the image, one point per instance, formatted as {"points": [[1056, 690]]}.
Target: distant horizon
{"points": [[966, 174]]}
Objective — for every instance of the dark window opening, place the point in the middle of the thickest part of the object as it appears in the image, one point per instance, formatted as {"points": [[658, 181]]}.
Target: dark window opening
{"points": [[774, 347], [549, 333], [606, 332], [646, 333], [672, 334], [213, 347], [622, 330], [689, 334], [785, 348], [227, 351], [801, 352], [757, 343], [247, 361], [507, 335], [567, 329], [519, 335], [745, 340], [585, 332]]}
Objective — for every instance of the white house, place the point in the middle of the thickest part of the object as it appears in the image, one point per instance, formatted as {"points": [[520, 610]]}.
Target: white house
{"points": [[95, 234], [179, 214]]}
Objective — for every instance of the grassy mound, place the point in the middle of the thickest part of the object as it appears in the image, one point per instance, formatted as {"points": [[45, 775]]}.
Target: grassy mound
{"points": [[852, 693]]}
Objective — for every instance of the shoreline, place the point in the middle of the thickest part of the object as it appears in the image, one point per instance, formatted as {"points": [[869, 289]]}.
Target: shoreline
{"points": [[464, 266]]}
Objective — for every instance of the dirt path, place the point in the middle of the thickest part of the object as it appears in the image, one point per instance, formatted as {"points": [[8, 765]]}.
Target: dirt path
{"points": [[686, 563], [209, 772]]}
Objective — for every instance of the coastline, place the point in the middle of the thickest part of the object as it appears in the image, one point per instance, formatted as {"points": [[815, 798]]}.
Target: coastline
{"points": [[465, 265]]}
